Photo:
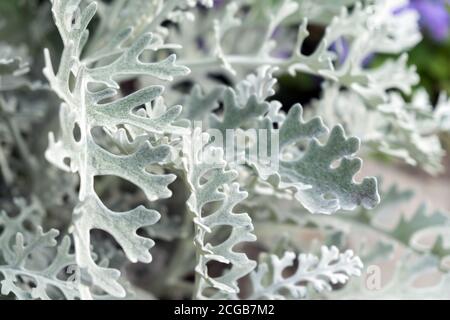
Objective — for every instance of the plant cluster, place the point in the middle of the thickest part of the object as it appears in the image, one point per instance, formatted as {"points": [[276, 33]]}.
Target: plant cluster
{"points": [[145, 154]]}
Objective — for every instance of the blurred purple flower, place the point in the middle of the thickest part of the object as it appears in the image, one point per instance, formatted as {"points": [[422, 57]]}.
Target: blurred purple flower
{"points": [[434, 17], [219, 3], [341, 48], [281, 51]]}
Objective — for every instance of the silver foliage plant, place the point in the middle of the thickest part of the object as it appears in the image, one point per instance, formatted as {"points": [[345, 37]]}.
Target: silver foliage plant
{"points": [[151, 204]]}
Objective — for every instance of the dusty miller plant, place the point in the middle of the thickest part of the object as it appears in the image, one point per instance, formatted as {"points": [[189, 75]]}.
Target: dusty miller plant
{"points": [[148, 203]]}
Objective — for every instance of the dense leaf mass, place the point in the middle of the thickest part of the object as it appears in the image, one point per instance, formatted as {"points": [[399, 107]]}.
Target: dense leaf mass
{"points": [[145, 151]]}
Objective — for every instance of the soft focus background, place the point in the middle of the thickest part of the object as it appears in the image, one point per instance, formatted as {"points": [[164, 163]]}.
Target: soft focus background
{"points": [[432, 58]]}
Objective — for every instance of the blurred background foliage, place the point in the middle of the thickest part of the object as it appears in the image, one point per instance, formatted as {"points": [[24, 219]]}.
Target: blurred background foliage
{"points": [[431, 56], [433, 64]]}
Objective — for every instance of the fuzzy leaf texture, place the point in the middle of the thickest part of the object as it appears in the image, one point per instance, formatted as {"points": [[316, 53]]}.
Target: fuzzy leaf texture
{"points": [[331, 268], [85, 106], [219, 186], [319, 187], [404, 130], [166, 149]]}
